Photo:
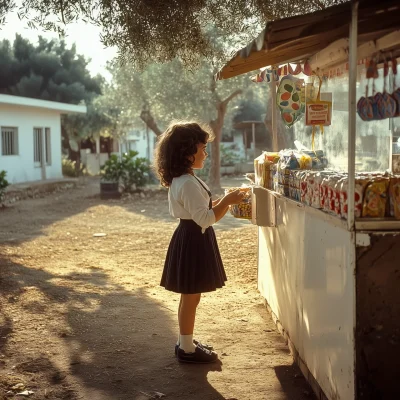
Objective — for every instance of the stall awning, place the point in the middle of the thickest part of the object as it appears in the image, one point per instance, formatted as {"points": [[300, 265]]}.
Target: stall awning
{"points": [[298, 38]]}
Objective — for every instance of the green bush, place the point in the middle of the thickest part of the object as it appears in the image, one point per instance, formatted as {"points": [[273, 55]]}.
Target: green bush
{"points": [[69, 168], [111, 170], [228, 156], [3, 185], [130, 171]]}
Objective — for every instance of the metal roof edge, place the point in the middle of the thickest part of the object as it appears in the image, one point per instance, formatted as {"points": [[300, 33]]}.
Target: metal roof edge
{"points": [[63, 108]]}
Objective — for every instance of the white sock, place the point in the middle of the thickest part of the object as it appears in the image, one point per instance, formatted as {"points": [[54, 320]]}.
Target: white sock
{"points": [[179, 340], [186, 343]]}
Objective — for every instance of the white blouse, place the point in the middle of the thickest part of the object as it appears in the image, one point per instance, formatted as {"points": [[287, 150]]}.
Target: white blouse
{"points": [[189, 200]]}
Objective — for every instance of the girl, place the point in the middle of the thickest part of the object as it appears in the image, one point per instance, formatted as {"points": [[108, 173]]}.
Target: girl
{"points": [[193, 264]]}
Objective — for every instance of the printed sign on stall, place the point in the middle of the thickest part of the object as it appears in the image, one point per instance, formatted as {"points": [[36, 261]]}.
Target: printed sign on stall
{"points": [[318, 113]]}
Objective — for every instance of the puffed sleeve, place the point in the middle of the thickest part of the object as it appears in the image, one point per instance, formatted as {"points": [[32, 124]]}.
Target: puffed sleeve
{"points": [[192, 197]]}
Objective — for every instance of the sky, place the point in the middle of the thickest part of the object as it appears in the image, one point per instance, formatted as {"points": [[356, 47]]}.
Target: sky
{"points": [[86, 37]]}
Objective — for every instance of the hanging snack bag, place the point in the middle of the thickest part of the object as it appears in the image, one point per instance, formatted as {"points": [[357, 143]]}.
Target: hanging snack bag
{"points": [[243, 209], [375, 198], [289, 99]]}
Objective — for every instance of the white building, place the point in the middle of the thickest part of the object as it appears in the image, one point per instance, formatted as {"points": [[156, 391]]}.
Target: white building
{"points": [[30, 144], [143, 141]]}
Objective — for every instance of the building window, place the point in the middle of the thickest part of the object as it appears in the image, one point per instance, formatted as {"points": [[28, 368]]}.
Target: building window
{"points": [[38, 146], [48, 146], [9, 141]]}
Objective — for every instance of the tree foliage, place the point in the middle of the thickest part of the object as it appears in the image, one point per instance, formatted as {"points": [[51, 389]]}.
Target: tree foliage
{"points": [[158, 31], [252, 109], [169, 91], [48, 70]]}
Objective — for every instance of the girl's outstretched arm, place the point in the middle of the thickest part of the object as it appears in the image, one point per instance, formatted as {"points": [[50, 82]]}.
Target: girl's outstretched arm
{"points": [[223, 204], [216, 202]]}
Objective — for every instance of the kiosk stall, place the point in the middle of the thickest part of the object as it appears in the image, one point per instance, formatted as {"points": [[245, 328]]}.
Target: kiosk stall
{"points": [[332, 280]]}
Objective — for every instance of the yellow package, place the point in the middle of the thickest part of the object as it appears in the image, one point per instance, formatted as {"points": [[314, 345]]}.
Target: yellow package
{"points": [[394, 196], [375, 198], [243, 209]]}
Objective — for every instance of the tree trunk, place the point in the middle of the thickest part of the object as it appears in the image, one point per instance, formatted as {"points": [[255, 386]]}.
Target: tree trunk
{"points": [[214, 174], [150, 122], [65, 141], [78, 159], [214, 178]]}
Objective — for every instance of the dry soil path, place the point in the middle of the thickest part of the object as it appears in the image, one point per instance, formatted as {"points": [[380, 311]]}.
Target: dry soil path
{"points": [[83, 317]]}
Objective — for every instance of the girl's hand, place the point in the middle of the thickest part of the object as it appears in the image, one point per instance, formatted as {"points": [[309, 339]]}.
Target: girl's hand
{"points": [[234, 197]]}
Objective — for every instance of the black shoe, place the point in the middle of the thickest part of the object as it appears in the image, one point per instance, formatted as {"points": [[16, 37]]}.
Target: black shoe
{"points": [[203, 345], [196, 343], [200, 356]]}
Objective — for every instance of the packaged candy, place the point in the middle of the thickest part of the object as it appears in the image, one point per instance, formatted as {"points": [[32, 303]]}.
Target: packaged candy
{"points": [[375, 198], [262, 168], [294, 185], [343, 198], [283, 190], [359, 189], [337, 196], [394, 196], [305, 161], [273, 176], [323, 193], [316, 190], [243, 209], [303, 187], [313, 190], [330, 205]]}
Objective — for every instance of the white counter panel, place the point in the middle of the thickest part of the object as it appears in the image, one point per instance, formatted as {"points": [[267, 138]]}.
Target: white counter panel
{"points": [[306, 275]]}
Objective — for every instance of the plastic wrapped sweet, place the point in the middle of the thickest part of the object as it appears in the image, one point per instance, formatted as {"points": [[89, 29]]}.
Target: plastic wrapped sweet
{"points": [[310, 188], [289, 160], [243, 209], [273, 176], [375, 198], [394, 196], [359, 189], [337, 189], [262, 168], [323, 192], [304, 188], [333, 195]]}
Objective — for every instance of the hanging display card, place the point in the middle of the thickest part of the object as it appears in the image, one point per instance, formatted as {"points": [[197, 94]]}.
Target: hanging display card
{"points": [[319, 112]]}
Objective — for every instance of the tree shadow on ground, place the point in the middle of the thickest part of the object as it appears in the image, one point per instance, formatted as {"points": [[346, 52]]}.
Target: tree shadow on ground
{"points": [[101, 342], [41, 213]]}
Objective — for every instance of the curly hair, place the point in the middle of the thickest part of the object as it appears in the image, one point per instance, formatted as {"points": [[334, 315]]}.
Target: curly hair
{"points": [[176, 147]]}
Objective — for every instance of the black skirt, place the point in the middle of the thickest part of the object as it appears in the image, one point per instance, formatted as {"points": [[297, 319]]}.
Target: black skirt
{"points": [[193, 263]]}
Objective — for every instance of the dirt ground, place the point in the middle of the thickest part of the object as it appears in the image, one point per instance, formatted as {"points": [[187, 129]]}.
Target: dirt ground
{"points": [[84, 317]]}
